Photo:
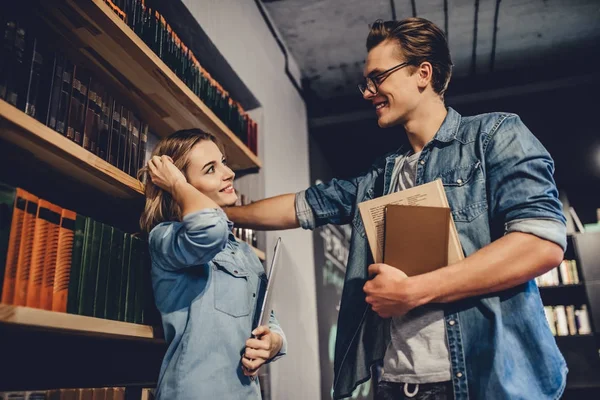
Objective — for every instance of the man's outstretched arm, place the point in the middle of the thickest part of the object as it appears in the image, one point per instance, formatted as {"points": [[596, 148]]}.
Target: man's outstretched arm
{"points": [[274, 213]]}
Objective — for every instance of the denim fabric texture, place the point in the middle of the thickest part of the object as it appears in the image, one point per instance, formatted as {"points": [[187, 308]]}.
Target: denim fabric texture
{"points": [[205, 286]]}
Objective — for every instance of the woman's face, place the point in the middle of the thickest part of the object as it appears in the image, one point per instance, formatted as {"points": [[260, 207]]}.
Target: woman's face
{"points": [[208, 172]]}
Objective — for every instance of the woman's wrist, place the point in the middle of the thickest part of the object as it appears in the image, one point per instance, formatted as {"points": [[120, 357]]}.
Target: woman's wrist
{"points": [[276, 344]]}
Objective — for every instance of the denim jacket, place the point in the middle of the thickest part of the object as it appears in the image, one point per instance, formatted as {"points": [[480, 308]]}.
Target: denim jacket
{"points": [[498, 179], [205, 286]]}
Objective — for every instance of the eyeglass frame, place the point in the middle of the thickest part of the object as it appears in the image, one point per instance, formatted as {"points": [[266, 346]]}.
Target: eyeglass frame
{"points": [[362, 87]]}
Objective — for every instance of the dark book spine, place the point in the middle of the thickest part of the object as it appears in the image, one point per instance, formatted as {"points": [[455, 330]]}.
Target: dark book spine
{"points": [[36, 65], [123, 154], [17, 76], [134, 145], [90, 125], [113, 146], [54, 90], [105, 127], [83, 100], [87, 292], [62, 115], [74, 104], [142, 148], [9, 27]]}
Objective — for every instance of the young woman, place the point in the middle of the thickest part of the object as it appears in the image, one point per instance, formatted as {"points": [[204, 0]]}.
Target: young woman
{"points": [[205, 282]]}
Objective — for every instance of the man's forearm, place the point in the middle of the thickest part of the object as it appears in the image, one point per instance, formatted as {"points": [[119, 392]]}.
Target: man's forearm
{"points": [[274, 213], [509, 261]]}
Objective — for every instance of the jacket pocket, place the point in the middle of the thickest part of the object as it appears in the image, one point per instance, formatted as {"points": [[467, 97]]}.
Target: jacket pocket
{"points": [[465, 190], [231, 289]]}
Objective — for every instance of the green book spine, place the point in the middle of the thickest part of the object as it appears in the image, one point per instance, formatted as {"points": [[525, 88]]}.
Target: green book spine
{"points": [[7, 202], [89, 271], [123, 278], [138, 317], [134, 253], [80, 238], [113, 282], [102, 272]]}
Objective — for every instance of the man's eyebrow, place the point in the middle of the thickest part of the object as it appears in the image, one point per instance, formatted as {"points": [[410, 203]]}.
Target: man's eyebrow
{"points": [[374, 72]]}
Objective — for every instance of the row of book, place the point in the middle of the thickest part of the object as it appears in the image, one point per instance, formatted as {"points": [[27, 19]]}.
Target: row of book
{"points": [[567, 320], [565, 274], [42, 81], [154, 30], [107, 393], [56, 259]]}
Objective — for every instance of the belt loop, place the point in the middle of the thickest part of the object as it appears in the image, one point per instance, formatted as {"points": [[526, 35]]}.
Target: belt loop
{"points": [[413, 393]]}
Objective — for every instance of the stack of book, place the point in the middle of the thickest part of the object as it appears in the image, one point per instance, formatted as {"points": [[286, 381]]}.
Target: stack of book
{"points": [[41, 80], [55, 259], [154, 30], [565, 274], [567, 320]]}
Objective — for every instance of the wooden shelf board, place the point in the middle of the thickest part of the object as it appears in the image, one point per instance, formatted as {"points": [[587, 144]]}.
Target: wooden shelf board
{"points": [[33, 317], [164, 101], [64, 154]]}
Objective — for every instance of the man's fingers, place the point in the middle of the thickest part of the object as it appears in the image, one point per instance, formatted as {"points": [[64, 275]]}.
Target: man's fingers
{"points": [[252, 364], [374, 269]]}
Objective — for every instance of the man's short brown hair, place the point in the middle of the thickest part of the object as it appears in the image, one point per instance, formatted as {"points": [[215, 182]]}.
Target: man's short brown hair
{"points": [[420, 40]]}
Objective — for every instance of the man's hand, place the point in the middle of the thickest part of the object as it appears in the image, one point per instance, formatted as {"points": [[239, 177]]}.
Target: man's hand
{"points": [[390, 292], [260, 349]]}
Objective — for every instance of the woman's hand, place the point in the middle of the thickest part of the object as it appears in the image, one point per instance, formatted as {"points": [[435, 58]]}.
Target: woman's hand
{"points": [[260, 349], [164, 173]]}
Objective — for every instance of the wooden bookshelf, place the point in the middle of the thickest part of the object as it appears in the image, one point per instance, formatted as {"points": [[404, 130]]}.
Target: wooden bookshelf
{"points": [[36, 318], [163, 100], [64, 154]]}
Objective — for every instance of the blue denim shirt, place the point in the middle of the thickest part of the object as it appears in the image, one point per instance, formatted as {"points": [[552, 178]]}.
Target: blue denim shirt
{"points": [[205, 286], [498, 179]]}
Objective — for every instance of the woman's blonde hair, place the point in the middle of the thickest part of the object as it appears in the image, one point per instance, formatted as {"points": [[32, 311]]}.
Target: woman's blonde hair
{"points": [[160, 206]]}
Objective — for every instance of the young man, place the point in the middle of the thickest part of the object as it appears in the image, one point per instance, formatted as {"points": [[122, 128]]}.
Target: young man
{"points": [[472, 330]]}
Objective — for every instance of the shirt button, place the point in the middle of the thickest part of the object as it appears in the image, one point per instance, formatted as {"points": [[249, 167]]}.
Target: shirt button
{"points": [[235, 271], [451, 322], [422, 162], [459, 375], [459, 181]]}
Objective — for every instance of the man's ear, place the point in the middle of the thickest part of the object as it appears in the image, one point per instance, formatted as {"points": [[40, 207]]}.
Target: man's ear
{"points": [[424, 74]]}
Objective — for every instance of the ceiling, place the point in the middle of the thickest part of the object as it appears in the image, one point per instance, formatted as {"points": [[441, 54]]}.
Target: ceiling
{"points": [[327, 37]]}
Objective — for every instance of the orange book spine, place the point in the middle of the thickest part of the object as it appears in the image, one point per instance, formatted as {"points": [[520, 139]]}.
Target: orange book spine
{"points": [[38, 254], [25, 251], [47, 287], [63, 261], [14, 243]]}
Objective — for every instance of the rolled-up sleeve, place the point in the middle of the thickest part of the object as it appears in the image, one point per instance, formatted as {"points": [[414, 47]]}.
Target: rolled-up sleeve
{"points": [[195, 240], [521, 188], [275, 327], [333, 202]]}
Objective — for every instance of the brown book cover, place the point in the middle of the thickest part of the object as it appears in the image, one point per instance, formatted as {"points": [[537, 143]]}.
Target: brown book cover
{"points": [[14, 243], [25, 251], [60, 288], [45, 236], [416, 238]]}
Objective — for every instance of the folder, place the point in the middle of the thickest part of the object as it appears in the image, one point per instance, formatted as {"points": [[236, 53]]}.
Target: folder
{"points": [[416, 238]]}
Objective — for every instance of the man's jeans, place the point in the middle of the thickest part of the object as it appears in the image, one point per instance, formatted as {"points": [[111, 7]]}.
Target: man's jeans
{"points": [[425, 391]]}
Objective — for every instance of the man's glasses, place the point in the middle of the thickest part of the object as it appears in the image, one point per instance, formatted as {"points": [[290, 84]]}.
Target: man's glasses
{"points": [[372, 83]]}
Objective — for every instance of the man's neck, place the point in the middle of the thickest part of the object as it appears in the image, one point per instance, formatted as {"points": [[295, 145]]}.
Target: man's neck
{"points": [[424, 123]]}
